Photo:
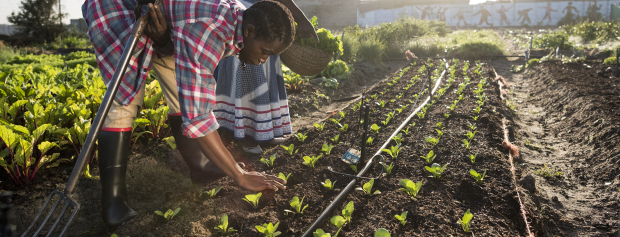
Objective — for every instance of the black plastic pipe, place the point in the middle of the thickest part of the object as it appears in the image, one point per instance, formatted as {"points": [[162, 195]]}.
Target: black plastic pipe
{"points": [[345, 192]]}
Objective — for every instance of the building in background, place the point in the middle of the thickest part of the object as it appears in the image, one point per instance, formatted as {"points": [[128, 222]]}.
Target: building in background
{"points": [[79, 25], [331, 14], [7, 29]]}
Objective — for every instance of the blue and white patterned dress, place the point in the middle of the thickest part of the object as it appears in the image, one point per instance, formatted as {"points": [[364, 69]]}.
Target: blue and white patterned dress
{"points": [[252, 101]]}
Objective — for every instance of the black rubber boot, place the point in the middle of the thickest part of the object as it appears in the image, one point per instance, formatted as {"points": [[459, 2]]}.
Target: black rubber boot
{"points": [[200, 169], [113, 153]]}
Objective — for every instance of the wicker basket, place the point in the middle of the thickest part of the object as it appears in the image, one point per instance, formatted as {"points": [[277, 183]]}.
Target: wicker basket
{"points": [[305, 60]]}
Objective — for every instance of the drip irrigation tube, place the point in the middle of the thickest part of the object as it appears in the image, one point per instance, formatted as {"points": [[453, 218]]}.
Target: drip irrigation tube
{"points": [[345, 192]]}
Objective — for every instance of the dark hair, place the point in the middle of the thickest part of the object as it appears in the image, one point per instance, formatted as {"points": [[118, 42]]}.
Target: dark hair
{"points": [[272, 21]]}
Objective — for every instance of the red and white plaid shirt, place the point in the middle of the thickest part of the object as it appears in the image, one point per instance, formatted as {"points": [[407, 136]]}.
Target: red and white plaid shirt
{"points": [[203, 32]]}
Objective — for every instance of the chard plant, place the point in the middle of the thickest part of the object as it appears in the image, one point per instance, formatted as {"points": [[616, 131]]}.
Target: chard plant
{"points": [[475, 118], [398, 138], [421, 114], [335, 121], [477, 110], [381, 104], [375, 128], [439, 133], [388, 168], [328, 184], [301, 136], [470, 135], [347, 212], [327, 148], [391, 115], [381, 232], [446, 115], [354, 168], [399, 110], [385, 122], [342, 114], [402, 218], [367, 187], [410, 188], [253, 199], [169, 214], [319, 126], [406, 131], [472, 126], [338, 221], [374, 96], [433, 141], [479, 178], [472, 158], [211, 193], [269, 230], [466, 220], [429, 157], [335, 139], [311, 161], [290, 149], [466, 144], [297, 204], [344, 128], [436, 170], [439, 125], [370, 140], [223, 226], [393, 151], [284, 177], [269, 162], [321, 233]]}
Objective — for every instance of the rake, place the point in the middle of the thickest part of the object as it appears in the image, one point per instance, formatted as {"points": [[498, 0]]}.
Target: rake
{"points": [[68, 203]]}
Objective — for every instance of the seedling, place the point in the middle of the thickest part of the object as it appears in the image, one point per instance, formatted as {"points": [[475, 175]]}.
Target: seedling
{"points": [[388, 168], [402, 218], [347, 212], [472, 157], [439, 133], [328, 184], [338, 221], [410, 187], [479, 178], [311, 161], [406, 131], [374, 96], [354, 168], [253, 199], [477, 110], [367, 187], [472, 127], [446, 115], [211, 193], [436, 169], [466, 143], [370, 140], [301, 136], [335, 121], [269, 162], [439, 125], [321, 233], [421, 115], [470, 135], [223, 227], [375, 128], [385, 122], [452, 107], [398, 138], [381, 104], [335, 139], [548, 172], [319, 126], [429, 157], [297, 204], [290, 149], [382, 233], [327, 148], [344, 128], [269, 230], [475, 118], [285, 177], [391, 115], [169, 214], [342, 114], [433, 141], [465, 221], [393, 151]]}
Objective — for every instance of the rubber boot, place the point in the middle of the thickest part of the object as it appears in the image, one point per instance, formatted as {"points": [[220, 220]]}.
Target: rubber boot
{"points": [[113, 153], [200, 169]]}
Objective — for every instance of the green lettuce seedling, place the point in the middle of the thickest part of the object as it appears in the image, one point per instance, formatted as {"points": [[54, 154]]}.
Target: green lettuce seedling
{"points": [[269, 230], [328, 184], [402, 218], [319, 126], [285, 177], [297, 204], [374, 96], [370, 140], [465, 221], [367, 187], [347, 212], [391, 115], [211, 193], [446, 115], [470, 135], [439, 125], [223, 227], [338, 221], [310, 161], [406, 131], [385, 122], [354, 168], [269, 162], [421, 114], [475, 118], [382, 233], [327, 148], [342, 114], [466, 143], [439, 134], [290, 149], [472, 126], [410, 187], [169, 214], [393, 151], [335, 139], [433, 141], [398, 138], [479, 178], [429, 157], [436, 169], [253, 199], [472, 157], [344, 128], [375, 128], [388, 168], [301, 136], [321, 233], [381, 104], [335, 121]]}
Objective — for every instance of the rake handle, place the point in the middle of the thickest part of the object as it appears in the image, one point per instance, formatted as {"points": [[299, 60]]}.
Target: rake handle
{"points": [[106, 103]]}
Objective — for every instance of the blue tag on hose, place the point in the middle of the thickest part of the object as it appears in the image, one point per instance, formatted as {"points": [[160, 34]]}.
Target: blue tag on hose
{"points": [[351, 157]]}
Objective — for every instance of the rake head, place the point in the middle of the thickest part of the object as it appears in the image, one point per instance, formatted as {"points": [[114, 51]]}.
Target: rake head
{"points": [[48, 229]]}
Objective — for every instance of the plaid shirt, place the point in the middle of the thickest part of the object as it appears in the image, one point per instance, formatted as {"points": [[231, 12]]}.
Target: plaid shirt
{"points": [[202, 32]]}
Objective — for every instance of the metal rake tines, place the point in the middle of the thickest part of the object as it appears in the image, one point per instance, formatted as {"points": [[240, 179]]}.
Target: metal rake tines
{"points": [[59, 197]]}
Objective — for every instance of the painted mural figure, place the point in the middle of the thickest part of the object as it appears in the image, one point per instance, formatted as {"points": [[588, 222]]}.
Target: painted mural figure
{"points": [[425, 12], [502, 15], [442, 14], [525, 15], [593, 13], [461, 15], [569, 10], [484, 16], [548, 11]]}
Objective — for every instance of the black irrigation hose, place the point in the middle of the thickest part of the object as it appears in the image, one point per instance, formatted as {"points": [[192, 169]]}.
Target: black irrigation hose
{"points": [[345, 192]]}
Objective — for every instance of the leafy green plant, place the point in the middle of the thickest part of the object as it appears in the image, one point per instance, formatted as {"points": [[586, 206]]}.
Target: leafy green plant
{"points": [[328, 184], [284, 177], [335, 139], [269, 230], [385, 122], [429, 157], [470, 135], [547, 172], [290, 149], [354, 168], [388, 168], [472, 126], [169, 214], [439, 125], [311, 161], [433, 141], [466, 143], [410, 187], [393, 151], [347, 212], [211, 193], [344, 128], [381, 103], [375, 128], [301, 136], [381, 232], [436, 169], [472, 158], [319, 126], [253, 199], [342, 114], [475, 118], [367, 187], [297, 204], [327, 148], [398, 138], [466, 220], [446, 115], [479, 178], [402, 218], [338, 221], [370, 140], [223, 227], [269, 162], [406, 131], [335, 121], [439, 133], [320, 233]]}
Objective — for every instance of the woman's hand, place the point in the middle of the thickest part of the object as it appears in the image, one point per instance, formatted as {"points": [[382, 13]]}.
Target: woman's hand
{"points": [[256, 182], [157, 29]]}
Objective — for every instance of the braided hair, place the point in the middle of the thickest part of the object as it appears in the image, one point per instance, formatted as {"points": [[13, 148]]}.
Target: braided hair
{"points": [[272, 21]]}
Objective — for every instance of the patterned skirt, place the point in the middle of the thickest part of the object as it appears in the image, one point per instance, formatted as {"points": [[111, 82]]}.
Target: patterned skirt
{"points": [[252, 101]]}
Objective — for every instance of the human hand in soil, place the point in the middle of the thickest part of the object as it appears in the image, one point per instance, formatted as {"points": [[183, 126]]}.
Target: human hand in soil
{"points": [[157, 29], [256, 182]]}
